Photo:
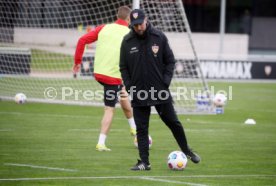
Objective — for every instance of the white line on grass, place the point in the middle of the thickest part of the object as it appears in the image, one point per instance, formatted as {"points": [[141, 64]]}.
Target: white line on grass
{"points": [[5, 130], [48, 115], [241, 81], [99, 117], [255, 109], [139, 177], [115, 118], [82, 116], [60, 115], [68, 116], [206, 130], [40, 167], [212, 122], [83, 130], [170, 181], [93, 130]]}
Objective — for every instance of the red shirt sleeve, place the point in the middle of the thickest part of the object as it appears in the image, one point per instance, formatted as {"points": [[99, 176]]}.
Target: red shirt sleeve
{"points": [[90, 37]]}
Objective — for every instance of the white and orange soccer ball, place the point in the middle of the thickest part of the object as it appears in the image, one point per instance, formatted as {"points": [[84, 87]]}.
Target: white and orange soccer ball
{"points": [[20, 98], [219, 100], [136, 142], [177, 160]]}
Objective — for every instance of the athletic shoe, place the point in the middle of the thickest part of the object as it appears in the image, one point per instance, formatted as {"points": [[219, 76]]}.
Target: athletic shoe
{"points": [[141, 166], [100, 147], [132, 131], [193, 156]]}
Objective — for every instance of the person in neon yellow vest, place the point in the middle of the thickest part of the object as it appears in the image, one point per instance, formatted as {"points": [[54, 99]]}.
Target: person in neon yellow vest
{"points": [[106, 69]]}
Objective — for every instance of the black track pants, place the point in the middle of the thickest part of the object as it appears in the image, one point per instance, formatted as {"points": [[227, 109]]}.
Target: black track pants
{"points": [[167, 114]]}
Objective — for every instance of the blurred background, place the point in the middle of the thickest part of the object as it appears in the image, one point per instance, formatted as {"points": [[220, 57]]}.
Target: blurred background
{"points": [[256, 18], [234, 40]]}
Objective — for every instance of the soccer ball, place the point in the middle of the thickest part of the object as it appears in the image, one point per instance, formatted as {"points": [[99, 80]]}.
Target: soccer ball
{"points": [[177, 160], [20, 98], [179, 67], [219, 100], [136, 142]]}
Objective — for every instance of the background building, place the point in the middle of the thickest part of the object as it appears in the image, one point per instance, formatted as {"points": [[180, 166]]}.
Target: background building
{"points": [[257, 18]]}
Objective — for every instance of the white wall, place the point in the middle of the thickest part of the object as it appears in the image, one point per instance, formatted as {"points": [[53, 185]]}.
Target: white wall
{"points": [[206, 44], [50, 37]]}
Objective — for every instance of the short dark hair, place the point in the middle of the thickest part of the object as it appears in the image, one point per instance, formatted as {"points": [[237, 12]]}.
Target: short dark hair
{"points": [[123, 12]]}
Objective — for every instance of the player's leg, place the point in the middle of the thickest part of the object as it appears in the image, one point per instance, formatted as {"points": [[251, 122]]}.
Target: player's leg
{"points": [[105, 127], [107, 119], [126, 106], [110, 99], [141, 116], [167, 114]]}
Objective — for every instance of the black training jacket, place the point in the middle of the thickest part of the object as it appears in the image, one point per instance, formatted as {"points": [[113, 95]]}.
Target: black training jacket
{"points": [[146, 65]]}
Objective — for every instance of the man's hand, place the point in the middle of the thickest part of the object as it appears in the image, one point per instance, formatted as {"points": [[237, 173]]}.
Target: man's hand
{"points": [[76, 69]]}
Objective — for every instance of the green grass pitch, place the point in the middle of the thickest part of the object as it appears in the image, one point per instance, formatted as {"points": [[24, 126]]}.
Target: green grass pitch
{"points": [[47, 144]]}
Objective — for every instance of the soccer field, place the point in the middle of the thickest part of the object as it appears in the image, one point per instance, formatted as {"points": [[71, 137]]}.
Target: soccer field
{"points": [[48, 144]]}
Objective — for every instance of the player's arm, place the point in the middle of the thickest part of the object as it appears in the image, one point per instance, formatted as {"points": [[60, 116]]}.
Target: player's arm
{"points": [[90, 37]]}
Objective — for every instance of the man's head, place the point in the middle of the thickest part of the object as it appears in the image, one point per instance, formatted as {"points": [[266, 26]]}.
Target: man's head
{"points": [[138, 21], [123, 13]]}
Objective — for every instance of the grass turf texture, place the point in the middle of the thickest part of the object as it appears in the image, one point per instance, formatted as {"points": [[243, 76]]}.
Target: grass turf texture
{"points": [[63, 136], [49, 61]]}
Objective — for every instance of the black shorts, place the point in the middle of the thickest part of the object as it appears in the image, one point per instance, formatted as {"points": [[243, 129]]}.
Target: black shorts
{"points": [[111, 94]]}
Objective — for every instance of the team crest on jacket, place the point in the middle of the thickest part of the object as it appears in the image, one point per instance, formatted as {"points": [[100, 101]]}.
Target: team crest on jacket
{"points": [[155, 49]]}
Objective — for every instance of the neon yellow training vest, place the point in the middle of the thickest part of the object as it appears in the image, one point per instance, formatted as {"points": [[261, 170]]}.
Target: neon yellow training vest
{"points": [[107, 54]]}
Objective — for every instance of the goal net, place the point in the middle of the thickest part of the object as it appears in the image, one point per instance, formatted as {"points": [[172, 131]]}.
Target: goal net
{"points": [[38, 40]]}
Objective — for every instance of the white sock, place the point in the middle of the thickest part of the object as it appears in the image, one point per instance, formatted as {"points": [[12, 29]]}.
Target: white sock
{"points": [[131, 123], [102, 138]]}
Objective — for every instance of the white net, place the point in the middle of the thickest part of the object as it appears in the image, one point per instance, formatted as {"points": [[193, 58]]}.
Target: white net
{"points": [[38, 40]]}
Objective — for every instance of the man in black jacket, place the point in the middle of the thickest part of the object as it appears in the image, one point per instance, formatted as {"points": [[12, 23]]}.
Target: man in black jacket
{"points": [[146, 65]]}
